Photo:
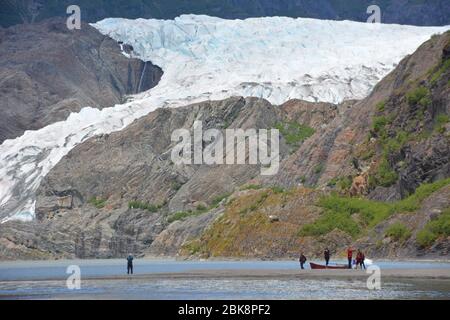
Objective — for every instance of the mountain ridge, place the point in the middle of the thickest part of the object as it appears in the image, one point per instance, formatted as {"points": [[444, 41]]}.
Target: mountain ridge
{"points": [[411, 12]]}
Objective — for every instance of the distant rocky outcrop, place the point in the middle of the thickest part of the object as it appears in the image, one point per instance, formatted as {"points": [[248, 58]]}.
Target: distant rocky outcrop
{"points": [[48, 71]]}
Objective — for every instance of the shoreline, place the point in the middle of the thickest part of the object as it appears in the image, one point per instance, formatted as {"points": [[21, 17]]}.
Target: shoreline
{"points": [[272, 274], [253, 274], [339, 259]]}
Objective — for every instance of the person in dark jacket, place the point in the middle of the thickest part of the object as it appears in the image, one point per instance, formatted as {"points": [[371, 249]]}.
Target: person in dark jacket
{"points": [[362, 264], [302, 260], [326, 255], [130, 264]]}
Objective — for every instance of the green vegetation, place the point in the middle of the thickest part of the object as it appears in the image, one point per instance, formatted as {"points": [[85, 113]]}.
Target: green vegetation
{"points": [[181, 215], [420, 95], [385, 176], [200, 209], [339, 211], [396, 144], [251, 187], [398, 232], [144, 206], [381, 106], [294, 133], [378, 125], [414, 201], [444, 67], [277, 189], [434, 229], [97, 202], [175, 185], [217, 200], [342, 183], [441, 120], [425, 238], [318, 169]]}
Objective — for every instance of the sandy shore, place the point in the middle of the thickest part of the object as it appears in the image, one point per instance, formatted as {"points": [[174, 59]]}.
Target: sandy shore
{"points": [[248, 274]]}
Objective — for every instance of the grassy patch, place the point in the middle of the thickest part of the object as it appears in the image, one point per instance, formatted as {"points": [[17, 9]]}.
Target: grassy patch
{"points": [[181, 215], [342, 183], [440, 71], [397, 143], [414, 201], [144, 206], [175, 185], [251, 187], [294, 133], [217, 200], [381, 106], [277, 189], [379, 124], [434, 229], [318, 169], [339, 211], [384, 176], [398, 232], [441, 120], [97, 202], [420, 95]]}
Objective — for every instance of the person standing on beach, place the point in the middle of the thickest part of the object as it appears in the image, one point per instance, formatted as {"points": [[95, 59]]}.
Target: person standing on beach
{"points": [[363, 257], [326, 255], [358, 259], [130, 264], [349, 256], [302, 260]]}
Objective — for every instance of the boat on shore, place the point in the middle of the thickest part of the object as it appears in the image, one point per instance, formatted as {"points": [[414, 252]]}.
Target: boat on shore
{"points": [[320, 266]]}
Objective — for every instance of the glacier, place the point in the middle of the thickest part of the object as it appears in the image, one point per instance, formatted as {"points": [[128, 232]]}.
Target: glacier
{"points": [[276, 58]]}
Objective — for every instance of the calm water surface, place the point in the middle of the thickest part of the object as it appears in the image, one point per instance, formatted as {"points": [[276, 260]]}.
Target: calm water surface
{"points": [[47, 280]]}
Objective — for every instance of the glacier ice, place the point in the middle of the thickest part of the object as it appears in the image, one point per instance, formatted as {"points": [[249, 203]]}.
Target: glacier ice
{"points": [[203, 58]]}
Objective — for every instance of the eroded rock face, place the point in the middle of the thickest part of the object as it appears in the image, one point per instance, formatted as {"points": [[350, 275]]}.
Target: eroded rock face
{"points": [[48, 71], [88, 192]]}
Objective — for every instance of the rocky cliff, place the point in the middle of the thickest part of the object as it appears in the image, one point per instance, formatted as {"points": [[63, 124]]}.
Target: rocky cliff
{"points": [[48, 71], [370, 173]]}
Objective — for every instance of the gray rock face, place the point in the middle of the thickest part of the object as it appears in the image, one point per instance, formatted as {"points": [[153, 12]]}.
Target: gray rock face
{"points": [[135, 165], [48, 71]]}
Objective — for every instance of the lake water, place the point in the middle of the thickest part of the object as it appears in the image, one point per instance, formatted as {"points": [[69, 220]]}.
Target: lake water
{"points": [[47, 280]]}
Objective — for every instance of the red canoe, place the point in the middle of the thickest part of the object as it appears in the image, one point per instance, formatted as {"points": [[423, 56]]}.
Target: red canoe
{"points": [[319, 266]]}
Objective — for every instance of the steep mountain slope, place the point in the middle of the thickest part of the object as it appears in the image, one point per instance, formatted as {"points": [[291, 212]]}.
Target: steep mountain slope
{"points": [[411, 12], [48, 72], [207, 58]]}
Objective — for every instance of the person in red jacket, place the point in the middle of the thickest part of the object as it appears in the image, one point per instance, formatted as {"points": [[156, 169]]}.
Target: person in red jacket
{"points": [[359, 259], [349, 256]]}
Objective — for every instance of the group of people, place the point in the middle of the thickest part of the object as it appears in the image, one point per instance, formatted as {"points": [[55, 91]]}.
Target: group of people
{"points": [[303, 259], [359, 261]]}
